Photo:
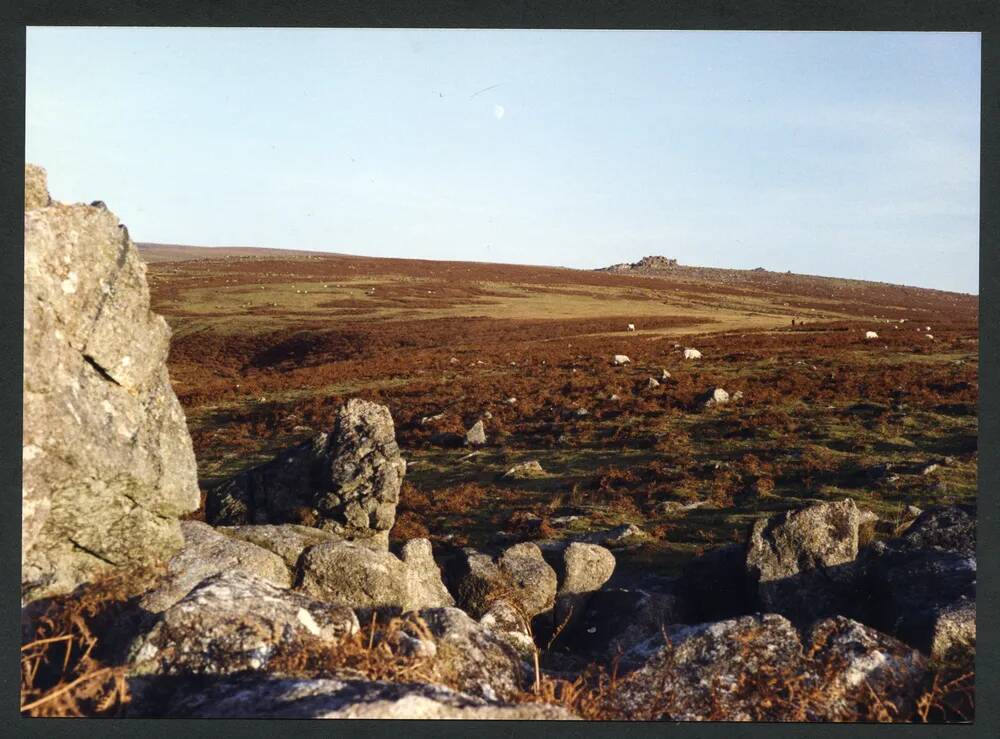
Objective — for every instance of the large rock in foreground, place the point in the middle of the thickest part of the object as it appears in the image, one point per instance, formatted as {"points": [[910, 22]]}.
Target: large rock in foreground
{"points": [[346, 481], [108, 465], [755, 668], [207, 552], [234, 622], [291, 698]]}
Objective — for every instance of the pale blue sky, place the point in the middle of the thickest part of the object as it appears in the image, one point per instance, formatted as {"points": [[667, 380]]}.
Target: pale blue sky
{"points": [[848, 154]]}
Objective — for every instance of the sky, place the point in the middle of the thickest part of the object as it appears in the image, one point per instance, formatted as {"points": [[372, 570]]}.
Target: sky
{"points": [[842, 154]]}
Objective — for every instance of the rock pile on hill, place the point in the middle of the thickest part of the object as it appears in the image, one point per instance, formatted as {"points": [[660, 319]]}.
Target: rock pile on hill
{"points": [[108, 464]]}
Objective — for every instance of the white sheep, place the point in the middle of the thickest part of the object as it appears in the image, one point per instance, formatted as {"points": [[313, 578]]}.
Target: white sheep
{"points": [[620, 359], [871, 335], [631, 327], [692, 354]]}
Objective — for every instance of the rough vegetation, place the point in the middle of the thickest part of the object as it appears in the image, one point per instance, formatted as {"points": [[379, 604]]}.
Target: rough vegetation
{"points": [[429, 491]]}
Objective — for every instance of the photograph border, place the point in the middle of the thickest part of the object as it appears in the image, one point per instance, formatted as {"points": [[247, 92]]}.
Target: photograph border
{"points": [[892, 15]]}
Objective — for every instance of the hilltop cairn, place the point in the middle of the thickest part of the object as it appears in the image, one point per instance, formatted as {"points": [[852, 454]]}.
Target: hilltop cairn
{"points": [[108, 465], [346, 481], [654, 263]]}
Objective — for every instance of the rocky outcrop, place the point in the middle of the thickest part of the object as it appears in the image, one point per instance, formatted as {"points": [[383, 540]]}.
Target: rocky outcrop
{"points": [[348, 573], [206, 553], [108, 465], [347, 481], [234, 622], [291, 698], [803, 561]]}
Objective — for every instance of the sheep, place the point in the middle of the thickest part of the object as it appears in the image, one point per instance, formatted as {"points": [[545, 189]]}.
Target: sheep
{"points": [[631, 327], [871, 335], [620, 359], [692, 354]]}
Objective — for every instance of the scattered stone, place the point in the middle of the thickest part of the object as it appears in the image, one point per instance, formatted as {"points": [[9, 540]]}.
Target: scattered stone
{"points": [[107, 461], [233, 622], [929, 469], [652, 383], [737, 396], [620, 536], [348, 479], [665, 375], [581, 412], [717, 396], [511, 401], [525, 471], [476, 436], [431, 419]]}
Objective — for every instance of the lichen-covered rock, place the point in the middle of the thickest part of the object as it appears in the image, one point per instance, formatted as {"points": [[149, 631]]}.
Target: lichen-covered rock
{"points": [[351, 574], [36, 191], [293, 698], [479, 661], [108, 465], [695, 675], [534, 582], [207, 552], [509, 623], [952, 528], [348, 481], [234, 622], [953, 641], [584, 568], [476, 581], [803, 561], [287, 540], [857, 659], [424, 584], [756, 668]]}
